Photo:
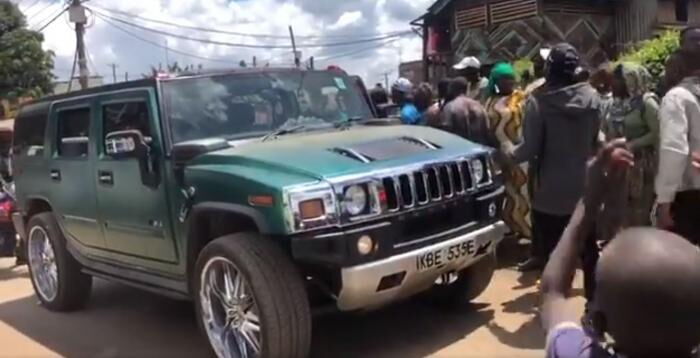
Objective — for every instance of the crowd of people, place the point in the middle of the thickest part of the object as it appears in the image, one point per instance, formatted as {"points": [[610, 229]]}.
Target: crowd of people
{"points": [[592, 162]]}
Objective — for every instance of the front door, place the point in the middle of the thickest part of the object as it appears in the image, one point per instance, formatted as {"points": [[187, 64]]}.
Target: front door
{"points": [[133, 214], [73, 190]]}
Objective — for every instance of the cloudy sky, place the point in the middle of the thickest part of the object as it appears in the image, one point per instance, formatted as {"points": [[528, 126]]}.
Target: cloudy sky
{"points": [[315, 22]]}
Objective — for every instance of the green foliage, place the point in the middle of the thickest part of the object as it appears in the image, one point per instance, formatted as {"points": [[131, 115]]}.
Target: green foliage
{"points": [[653, 53], [25, 68]]}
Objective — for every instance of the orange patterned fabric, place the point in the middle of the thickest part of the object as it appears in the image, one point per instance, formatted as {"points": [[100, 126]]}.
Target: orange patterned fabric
{"points": [[505, 117]]}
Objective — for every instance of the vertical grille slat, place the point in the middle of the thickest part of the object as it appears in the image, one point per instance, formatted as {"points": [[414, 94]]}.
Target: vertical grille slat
{"points": [[433, 184], [407, 198], [456, 176], [467, 175], [422, 193], [446, 181], [397, 188], [392, 200]]}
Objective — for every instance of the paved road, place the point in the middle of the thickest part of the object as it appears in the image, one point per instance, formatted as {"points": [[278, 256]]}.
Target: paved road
{"points": [[124, 322]]}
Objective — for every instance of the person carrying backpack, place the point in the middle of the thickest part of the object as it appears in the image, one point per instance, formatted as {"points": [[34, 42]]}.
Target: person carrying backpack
{"points": [[633, 115]]}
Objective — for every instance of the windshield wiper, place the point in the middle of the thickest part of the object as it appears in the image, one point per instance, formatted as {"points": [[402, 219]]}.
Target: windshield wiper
{"points": [[347, 123], [283, 131]]}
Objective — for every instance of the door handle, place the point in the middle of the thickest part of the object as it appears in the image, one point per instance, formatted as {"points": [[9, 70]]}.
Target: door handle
{"points": [[55, 175], [105, 177]]}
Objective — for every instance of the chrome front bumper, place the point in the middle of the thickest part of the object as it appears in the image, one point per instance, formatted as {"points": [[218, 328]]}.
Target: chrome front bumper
{"points": [[361, 284]]}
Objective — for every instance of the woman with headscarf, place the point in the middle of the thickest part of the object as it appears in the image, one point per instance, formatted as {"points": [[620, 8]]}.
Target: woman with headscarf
{"points": [[633, 115], [504, 109]]}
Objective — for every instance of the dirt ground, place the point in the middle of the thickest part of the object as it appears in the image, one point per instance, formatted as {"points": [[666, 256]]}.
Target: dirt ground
{"points": [[124, 322]]}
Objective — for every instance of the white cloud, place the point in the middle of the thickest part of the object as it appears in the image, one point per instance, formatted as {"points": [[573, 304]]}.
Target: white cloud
{"points": [[333, 21], [347, 18]]}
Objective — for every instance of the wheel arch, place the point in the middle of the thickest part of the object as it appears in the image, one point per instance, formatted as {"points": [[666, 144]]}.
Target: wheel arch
{"points": [[32, 207], [36, 205], [210, 220]]}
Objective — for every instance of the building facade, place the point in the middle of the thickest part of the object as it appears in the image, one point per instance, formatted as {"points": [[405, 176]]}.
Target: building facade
{"points": [[497, 30]]}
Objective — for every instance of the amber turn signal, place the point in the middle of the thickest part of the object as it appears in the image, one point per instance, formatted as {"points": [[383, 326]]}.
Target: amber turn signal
{"points": [[261, 200], [311, 209]]}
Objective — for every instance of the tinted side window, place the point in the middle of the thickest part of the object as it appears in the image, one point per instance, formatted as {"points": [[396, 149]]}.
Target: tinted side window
{"points": [[73, 132], [29, 134], [126, 116]]}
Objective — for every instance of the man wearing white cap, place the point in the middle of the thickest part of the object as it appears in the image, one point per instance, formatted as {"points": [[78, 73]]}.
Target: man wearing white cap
{"points": [[470, 68]]}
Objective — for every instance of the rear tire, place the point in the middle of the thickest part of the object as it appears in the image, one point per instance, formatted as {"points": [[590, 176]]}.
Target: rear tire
{"points": [[66, 289], [470, 284], [278, 305]]}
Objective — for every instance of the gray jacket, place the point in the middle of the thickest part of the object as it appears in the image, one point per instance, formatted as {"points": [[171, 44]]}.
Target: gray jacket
{"points": [[560, 133]]}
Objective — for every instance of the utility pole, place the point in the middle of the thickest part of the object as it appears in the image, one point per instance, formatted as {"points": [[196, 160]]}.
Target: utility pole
{"points": [[386, 80], [77, 15], [294, 47], [255, 61], [167, 61], [126, 76], [114, 72]]}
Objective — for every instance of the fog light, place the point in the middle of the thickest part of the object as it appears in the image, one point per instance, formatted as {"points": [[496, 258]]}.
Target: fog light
{"points": [[493, 210], [365, 245]]}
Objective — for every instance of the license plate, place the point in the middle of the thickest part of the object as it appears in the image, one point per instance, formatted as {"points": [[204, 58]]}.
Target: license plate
{"points": [[446, 255]]}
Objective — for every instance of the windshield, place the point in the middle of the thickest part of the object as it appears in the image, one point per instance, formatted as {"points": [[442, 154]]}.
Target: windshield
{"points": [[238, 106]]}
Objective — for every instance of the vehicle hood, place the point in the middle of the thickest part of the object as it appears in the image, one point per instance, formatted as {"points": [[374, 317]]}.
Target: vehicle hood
{"points": [[323, 155]]}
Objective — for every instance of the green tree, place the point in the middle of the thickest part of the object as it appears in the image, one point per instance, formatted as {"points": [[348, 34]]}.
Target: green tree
{"points": [[654, 53], [25, 68]]}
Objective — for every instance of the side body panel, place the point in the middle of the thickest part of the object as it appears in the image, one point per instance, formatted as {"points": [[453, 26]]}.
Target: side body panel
{"points": [[71, 191], [134, 216]]}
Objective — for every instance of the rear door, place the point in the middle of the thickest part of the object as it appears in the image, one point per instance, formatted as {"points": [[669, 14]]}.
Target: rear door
{"points": [[134, 215], [72, 191]]}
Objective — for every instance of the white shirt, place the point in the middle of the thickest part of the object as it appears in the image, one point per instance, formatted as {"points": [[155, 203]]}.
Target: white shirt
{"points": [[679, 117]]}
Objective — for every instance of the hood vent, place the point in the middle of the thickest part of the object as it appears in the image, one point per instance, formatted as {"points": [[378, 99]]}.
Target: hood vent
{"points": [[349, 153], [385, 149]]}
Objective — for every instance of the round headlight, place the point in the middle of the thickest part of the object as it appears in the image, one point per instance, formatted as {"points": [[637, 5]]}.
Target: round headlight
{"points": [[365, 245], [355, 200], [478, 170]]}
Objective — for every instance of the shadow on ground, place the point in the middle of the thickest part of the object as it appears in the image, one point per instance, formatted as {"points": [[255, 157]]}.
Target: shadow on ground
{"points": [[124, 322], [10, 273], [411, 329]]}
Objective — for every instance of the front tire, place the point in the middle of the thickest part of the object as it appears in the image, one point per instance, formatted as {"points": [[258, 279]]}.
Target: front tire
{"points": [[56, 276], [251, 299], [470, 284]]}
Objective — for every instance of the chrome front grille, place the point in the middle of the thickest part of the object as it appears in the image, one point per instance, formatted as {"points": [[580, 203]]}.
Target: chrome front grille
{"points": [[431, 184]]}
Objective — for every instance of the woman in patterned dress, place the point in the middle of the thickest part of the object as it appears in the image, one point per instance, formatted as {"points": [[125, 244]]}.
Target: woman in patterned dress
{"points": [[504, 108], [634, 115]]}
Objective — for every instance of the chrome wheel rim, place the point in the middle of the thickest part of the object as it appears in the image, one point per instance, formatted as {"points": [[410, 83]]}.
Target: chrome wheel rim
{"points": [[229, 312], [42, 261]]}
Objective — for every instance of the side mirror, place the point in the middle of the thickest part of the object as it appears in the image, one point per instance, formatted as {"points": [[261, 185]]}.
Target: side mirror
{"points": [[126, 144], [132, 144]]}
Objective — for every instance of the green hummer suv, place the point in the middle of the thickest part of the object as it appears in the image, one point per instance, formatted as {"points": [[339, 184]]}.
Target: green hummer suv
{"points": [[258, 194]]}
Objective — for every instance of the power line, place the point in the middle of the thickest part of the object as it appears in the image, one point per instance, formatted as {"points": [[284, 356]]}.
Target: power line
{"points": [[358, 51], [52, 20], [26, 9], [156, 44], [227, 32], [50, 4], [241, 45]]}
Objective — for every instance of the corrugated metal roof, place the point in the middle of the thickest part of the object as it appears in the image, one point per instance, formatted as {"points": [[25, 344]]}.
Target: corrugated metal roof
{"points": [[438, 6]]}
